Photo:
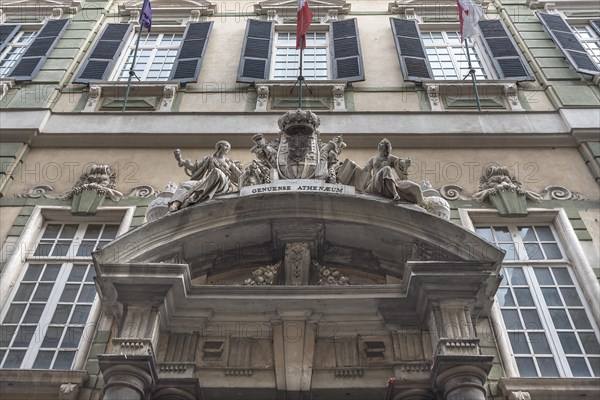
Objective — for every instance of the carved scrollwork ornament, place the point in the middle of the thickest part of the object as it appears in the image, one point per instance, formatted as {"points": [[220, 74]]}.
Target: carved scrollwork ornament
{"points": [[263, 276], [452, 192], [37, 192], [143, 191], [556, 192]]}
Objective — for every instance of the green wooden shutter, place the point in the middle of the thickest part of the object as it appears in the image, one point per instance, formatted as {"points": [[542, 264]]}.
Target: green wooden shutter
{"points": [[568, 43], [506, 56], [256, 51], [595, 23], [191, 54], [347, 56], [35, 55], [410, 49], [7, 32], [99, 64]]}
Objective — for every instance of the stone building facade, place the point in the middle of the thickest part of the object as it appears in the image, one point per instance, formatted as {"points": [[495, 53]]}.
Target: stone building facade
{"points": [[297, 254]]}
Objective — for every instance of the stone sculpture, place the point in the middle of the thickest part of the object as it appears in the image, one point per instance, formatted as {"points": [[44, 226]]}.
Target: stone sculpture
{"points": [[214, 174], [384, 183]]}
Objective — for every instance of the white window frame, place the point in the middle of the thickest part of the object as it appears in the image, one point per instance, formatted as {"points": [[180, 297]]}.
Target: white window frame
{"points": [[14, 44], [478, 55], [585, 279], [594, 38], [292, 29], [17, 265], [130, 46]]}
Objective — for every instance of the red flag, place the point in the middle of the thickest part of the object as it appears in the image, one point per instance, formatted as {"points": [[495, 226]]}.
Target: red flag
{"points": [[469, 14], [304, 18]]}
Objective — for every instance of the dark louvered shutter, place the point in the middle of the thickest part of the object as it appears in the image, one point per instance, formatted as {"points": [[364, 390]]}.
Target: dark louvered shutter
{"points": [[7, 32], [411, 51], [38, 50], [105, 52], [506, 56], [191, 54], [596, 25], [256, 51], [347, 56], [564, 37]]}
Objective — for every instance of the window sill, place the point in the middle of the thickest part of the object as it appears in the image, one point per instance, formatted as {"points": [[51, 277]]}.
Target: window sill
{"points": [[46, 384], [325, 91], [458, 94], [147, 96], [551, 388], [5, 85]]}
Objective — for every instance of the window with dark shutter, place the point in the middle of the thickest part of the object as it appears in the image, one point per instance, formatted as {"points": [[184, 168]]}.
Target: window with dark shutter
{"points": [[256, 51], [7, 32], [105, 52], [411, 52], [38, 50], [568, 43], [347, 55], [507, 59], [191, 53]]}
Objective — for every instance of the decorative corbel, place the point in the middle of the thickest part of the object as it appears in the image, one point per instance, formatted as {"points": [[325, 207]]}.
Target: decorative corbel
{"points": [[411, 14], [511, 92], [272, 15], [262, 97], [339, 103], [93, 98], [5, 87], [68, 391], [57, 13], [166, 102], [134, 17], [332, 15], [2, 17], [551, 8], [195, 15], [433, 92]]}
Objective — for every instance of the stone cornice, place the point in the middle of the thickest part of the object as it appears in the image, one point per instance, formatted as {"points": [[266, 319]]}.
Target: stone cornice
{"points": [[42, 128]]}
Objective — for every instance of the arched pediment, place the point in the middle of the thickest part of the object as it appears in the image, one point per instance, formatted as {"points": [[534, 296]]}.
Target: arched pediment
{"points": [[230, 236]]}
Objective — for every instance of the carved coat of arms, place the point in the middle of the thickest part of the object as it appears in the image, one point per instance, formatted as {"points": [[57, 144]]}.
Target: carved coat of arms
{"points": [[298, 152]]}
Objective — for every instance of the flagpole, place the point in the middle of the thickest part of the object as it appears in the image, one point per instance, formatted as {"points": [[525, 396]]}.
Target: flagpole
{"points": [[132, 69], [300, 77], [472, 73]]}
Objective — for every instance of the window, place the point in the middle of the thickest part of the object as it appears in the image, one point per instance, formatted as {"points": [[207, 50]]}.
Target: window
{"points": [[550, 330], [447, 56], [23, 50], [155, 57], [579, 44], [314, 58], [590, 41], [269, 52], [14, 50], [167, 53], [435, 54], [48, 312]]}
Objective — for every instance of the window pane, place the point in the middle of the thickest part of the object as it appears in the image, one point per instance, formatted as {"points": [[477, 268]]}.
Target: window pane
{"points": [[51, 272], [80, 314], [43, 360], [77, 273], [505, 298], [547, 367], [72, 337], [24, 292], [86, 248], [69, 231], [33, 313], [23, 336], [14, 314], [43, 292], [590, 342], [14, 359], [6, 335], [69, 293], [552, 251], [52, 338], [545, 233], [51, 231], [580, 319], [527, 234], [87, 294], [534, 252], [578, 366], [511, 319], [526, 367], [519, 343], [64, 360], [531, 319], [33, 272], [571, 297], [539, 343], [92, 232], [560, 319], [61, 249], [61, 315], [562, 276], [516, 276], [502, 234], [524, 298], [551, 296], [543, 276], [569, 343]]}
